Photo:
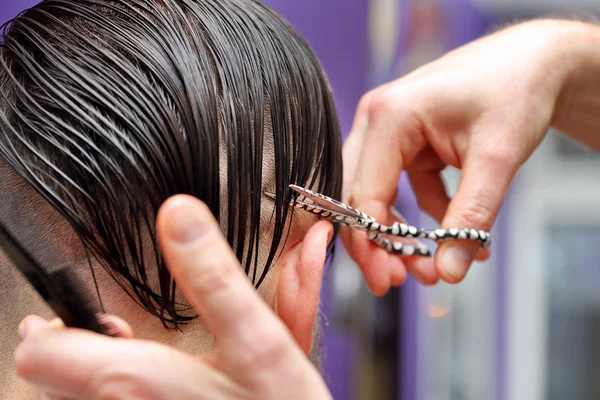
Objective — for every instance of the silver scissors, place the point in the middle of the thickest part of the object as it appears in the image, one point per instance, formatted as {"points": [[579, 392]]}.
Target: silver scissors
{"points": [[338, 212]]}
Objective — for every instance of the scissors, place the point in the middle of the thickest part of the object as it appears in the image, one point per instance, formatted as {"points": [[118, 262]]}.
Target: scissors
{"points": [[338, 212]]}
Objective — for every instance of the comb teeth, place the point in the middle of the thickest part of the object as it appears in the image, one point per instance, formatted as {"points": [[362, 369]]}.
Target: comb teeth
{"points": [[73, 305]]}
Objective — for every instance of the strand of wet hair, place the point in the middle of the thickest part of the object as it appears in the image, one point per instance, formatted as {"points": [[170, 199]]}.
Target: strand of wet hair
{"points": [[125, 111]]}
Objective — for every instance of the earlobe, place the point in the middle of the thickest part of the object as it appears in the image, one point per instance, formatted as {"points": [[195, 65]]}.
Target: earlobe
{"points": [[300, 278]]}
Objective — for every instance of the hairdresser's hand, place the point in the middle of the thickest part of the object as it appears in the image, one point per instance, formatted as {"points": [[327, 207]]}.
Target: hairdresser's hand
{"points": [[483, 108], [256, 358]]}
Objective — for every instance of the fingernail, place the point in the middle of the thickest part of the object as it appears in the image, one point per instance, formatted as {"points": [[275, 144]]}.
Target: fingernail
{"points": [[187, 225], [22, 331], [456, 260]]}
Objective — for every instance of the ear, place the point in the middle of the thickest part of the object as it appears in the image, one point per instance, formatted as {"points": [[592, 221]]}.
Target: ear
{"points": [[300, 278]]}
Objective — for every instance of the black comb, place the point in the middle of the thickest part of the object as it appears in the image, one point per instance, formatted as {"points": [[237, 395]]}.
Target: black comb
{"points": [[61, 289]]}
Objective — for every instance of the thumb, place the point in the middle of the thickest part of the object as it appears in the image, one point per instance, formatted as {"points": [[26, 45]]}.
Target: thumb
{"points": [[483, 185], [30, 324]]}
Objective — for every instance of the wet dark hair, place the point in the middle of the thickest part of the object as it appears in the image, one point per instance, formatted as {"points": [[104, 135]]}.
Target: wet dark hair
{"points": [[109, 107]]}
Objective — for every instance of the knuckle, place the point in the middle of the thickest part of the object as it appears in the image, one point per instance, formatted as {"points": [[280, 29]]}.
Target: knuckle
{"points": [[365, 101], [383, 103], [399, 123], [500, 155]]}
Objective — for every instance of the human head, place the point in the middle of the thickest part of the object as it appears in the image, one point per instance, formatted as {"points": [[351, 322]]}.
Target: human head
{"points": [[109, 107]]}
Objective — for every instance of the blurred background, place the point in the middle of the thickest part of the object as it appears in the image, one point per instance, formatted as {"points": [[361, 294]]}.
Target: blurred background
{"points": [[524, 325]]}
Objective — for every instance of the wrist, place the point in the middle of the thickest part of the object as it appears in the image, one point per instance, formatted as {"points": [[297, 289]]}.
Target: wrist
{"points": [[577, 57]]}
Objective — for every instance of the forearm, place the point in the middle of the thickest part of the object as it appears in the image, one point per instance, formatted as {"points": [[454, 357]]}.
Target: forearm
{"points": [[577, 111]]}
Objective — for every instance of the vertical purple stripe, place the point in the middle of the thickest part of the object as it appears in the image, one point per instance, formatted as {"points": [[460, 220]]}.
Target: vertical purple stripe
{"points": [[337, 31], [465, 21], [404, 28], [500, 250], [407, 203]]}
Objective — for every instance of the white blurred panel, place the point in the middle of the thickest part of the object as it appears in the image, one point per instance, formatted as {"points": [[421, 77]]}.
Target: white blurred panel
{"points": [[552, 188], [457, 331]]}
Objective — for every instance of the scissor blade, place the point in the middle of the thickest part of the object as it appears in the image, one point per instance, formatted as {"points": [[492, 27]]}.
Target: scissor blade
{"points": [[326, 202]]}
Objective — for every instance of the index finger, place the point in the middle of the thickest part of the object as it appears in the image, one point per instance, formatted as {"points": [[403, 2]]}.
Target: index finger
{"points": [[393, 137], [375, 154], [79, 364]]}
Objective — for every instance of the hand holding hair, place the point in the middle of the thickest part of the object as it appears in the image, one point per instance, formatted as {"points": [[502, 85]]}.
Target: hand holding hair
{"points": [[483, 108], [256, 358]]}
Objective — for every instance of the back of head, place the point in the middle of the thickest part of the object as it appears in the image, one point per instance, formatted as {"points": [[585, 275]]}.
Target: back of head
{"points": [[109, 107]]}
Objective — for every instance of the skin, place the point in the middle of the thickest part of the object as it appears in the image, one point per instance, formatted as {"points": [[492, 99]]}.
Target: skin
{"points": [[298, 302], [482, 108], [258, 356], [444, 113]]}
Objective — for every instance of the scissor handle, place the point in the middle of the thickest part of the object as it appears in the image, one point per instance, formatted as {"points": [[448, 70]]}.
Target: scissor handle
{"points": [[400, 229], [337, 212]]}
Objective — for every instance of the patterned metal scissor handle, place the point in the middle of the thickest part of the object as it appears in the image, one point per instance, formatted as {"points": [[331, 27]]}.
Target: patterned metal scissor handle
{"points": [[338, 212]]}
